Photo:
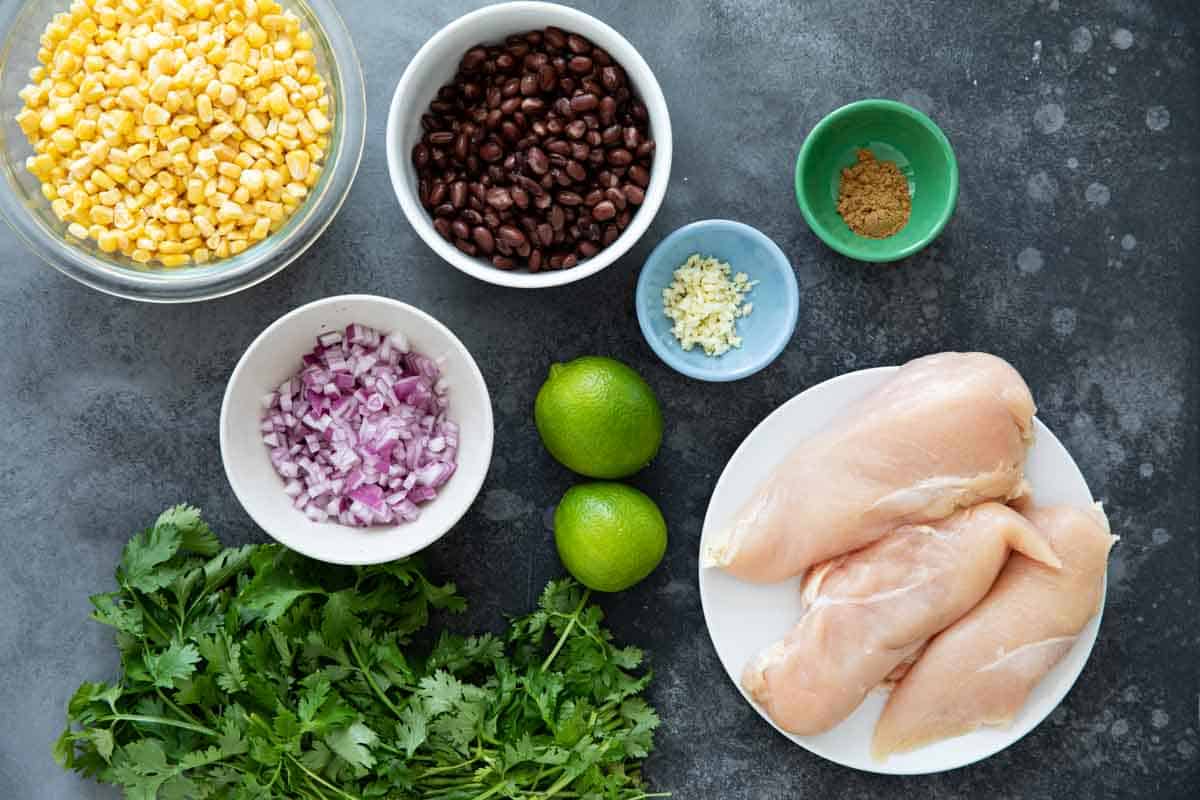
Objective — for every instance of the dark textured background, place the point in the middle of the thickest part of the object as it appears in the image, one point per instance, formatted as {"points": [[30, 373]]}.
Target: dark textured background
{"points": [[1072, 254]]}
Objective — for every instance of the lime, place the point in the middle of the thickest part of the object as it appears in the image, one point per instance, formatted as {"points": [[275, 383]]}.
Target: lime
{"points": [[609, 535], [598, 417]]}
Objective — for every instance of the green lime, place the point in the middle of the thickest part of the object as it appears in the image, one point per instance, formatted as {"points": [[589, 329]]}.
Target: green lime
{"points": [[609, 535], [598, 417]]}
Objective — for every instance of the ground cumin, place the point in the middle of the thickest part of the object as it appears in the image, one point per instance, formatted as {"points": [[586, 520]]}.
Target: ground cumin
{"points": [[873, 197]]}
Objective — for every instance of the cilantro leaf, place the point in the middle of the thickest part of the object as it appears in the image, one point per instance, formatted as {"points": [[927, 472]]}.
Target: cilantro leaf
{"points": [[142, 556], [352, 744], [175, 663], [411, 730], [195, 535]]}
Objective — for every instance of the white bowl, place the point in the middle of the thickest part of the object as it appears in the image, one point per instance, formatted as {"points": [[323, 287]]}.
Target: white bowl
{"points": [[434, 65], [275, 355]]}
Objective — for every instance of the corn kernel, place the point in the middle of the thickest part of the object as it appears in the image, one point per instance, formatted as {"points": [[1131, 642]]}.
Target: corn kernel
{"points": [[298, 162], [64, 140], [107, 241], [179, 260], [154, 114], [204, 108], [319, 121]]}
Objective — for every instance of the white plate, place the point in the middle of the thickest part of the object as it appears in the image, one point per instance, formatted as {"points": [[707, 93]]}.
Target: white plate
{"points": [[743, 618]]}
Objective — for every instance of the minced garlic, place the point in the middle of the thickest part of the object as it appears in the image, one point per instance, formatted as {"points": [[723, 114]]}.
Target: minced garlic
{"points": [[705, 301]]}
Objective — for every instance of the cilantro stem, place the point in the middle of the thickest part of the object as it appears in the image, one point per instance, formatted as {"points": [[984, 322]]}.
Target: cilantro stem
{"points": [[566, 631], [178, 710], [320, 780], [449, 768], [370, 680], [171, 723], [499, 787], [146, 615]]}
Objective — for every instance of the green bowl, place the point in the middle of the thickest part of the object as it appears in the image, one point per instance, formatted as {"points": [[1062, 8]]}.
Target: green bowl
{"points": [[893, 132]]}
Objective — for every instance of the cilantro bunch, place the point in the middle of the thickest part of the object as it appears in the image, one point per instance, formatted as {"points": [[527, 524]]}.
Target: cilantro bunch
{"points": [[254, 673]]}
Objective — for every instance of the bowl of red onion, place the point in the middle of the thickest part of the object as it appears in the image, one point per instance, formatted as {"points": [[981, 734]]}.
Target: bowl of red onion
{"points": [[356, 430]]}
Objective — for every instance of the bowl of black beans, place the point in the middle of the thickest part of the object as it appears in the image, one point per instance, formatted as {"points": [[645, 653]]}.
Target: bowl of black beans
{"points": [[529, 144]]}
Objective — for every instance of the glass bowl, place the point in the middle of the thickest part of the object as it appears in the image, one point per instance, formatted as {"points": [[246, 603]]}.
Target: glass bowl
{"points": [[29, 213]]}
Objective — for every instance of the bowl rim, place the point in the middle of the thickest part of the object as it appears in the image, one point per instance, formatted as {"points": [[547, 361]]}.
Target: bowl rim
{"points": [[667, 352], [894, 106], [198, 283], [272, 526], [648, 88]]}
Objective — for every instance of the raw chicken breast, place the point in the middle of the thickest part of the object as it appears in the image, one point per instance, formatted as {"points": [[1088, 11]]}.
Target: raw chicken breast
{"points": [[946, 432], [982, 668], [868, 611]]}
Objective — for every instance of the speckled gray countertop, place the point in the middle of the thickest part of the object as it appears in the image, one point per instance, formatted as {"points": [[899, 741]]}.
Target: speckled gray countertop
{"points": [[1072, 254]]}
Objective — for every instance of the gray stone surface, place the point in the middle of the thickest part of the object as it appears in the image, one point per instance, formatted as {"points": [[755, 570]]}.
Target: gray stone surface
{"points": [[1072, 255]]}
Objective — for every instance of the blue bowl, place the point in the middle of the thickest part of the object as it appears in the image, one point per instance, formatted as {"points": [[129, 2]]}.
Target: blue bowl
{"points": [[776, 298]]}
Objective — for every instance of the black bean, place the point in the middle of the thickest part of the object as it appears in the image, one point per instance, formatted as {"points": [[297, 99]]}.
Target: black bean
{"points": [[584, 102], [511, 235], [491, 151], [616, 197], [473, 59], [639, 175], [576, 171], [580, 65], [555, 38], [458, 194], [537, 161], [620, 157], [499, 198], [577, 44], [437, 193], [610, 78]]}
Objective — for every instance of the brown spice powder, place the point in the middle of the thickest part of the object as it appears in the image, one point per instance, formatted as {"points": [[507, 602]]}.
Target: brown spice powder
{"points": [[873, 197]]}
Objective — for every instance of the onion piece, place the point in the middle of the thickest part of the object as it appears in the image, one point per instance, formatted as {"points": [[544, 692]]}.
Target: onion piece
{"points": [[360, 434]]}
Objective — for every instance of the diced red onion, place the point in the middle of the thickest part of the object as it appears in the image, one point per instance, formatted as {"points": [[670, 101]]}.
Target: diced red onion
{"points": [[360, 434]]}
